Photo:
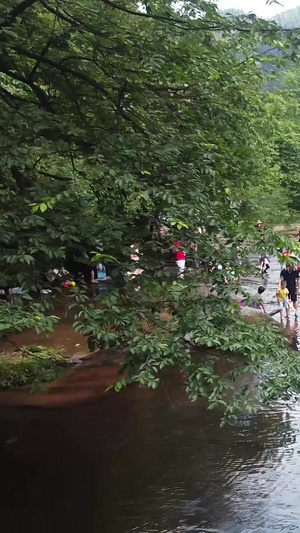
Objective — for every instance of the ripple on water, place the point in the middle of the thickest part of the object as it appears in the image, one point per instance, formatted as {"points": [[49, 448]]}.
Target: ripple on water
{"points": [[130, 463]]}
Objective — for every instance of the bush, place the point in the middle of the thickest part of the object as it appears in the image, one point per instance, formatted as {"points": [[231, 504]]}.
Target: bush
{"points": [[31, 366]]}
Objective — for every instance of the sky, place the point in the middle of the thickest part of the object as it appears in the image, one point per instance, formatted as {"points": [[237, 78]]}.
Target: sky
{"points": [[259, 7]]}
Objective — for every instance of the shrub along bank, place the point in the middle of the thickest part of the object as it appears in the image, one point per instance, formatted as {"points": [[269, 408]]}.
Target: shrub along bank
{"points": [[31, 366]]}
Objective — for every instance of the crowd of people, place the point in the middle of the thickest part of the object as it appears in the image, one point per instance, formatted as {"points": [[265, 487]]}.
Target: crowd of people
{"points": [[288, 285], [79, 268]]}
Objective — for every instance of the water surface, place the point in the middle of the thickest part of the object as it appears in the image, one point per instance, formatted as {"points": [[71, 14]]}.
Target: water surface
{"points": [[150, 462]]}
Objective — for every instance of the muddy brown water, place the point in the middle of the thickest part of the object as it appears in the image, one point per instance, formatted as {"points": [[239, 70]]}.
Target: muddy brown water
{"points": [[150, 462]]}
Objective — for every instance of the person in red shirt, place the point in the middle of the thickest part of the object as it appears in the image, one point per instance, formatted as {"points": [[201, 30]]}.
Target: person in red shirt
{"points": [[179, 256]]}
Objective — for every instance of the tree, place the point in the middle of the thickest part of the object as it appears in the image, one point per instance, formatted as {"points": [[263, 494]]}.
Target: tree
{"points": [[118, 114], [282, 107]]}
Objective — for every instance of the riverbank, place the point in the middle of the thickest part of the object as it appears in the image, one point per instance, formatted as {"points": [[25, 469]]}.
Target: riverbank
{"points": [[64, 337], [85, 382], [291, 230], [89, 380], [142, 460]]}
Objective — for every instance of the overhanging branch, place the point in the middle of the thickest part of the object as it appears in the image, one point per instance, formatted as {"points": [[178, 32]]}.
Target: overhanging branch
{"points": [[62, 68], [16, 12], [39, 93]]}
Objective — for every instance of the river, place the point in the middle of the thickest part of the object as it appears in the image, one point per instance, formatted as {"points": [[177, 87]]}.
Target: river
{"points": [[150, 462]]}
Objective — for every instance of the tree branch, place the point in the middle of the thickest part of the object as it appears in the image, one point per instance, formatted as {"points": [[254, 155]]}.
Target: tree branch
{"points": [[44, 51], [114, 5], [16, 97], [76, 74], [54, 176], [59, 14], [41, 96], [197, 24], [62, 68], [184, 24], [16, 12], [22, 181], [75, 23]]}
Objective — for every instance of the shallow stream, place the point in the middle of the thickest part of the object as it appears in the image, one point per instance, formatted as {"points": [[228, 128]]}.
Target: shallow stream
{"points": [[150, 462]]}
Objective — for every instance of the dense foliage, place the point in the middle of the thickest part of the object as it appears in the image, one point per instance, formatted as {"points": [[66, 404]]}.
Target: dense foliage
{"points": [[116, 115], [284, 107]]}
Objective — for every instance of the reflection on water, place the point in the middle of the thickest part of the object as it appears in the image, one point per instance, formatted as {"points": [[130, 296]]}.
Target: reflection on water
{"points": [[150, 462], [64, 338]]}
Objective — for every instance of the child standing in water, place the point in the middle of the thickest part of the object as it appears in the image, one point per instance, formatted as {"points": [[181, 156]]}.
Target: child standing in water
{"points": [[264, 264], [282, 298], [254, 302]]}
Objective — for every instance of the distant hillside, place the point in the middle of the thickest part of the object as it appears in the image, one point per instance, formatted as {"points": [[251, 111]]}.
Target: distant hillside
{"points": [[234, 12], [287, 19]]}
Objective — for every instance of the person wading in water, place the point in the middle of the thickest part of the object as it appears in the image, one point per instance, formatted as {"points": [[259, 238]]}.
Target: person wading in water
{"points": [[291, 275]]}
